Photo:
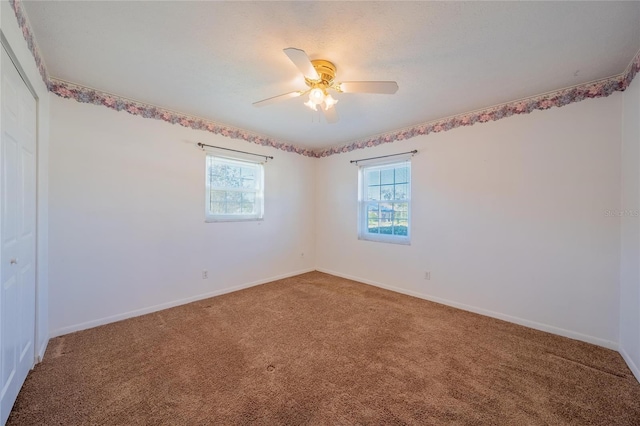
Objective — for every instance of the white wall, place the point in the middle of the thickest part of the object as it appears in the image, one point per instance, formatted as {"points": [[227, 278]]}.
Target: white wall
{"points": [[508, 216], [630, 229], [19, 47], [127, 218]]}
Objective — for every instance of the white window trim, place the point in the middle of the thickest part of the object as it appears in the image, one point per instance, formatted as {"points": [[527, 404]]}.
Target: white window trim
{"points": [[362, 204], [212, 218]]}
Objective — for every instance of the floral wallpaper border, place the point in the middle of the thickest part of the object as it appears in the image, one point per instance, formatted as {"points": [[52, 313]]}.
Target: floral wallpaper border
{"points": [[27, 33], [91, 96], [597, 89]]}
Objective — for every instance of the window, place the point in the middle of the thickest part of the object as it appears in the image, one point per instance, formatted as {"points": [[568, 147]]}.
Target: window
{"points": [[385, 202], [234, 189]]}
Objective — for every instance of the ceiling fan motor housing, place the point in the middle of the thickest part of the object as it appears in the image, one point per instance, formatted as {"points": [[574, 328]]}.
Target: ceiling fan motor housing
{"points": [[327, 72]]}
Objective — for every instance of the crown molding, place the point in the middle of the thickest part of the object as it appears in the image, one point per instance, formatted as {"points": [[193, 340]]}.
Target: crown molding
{"points": [[596, 89]]}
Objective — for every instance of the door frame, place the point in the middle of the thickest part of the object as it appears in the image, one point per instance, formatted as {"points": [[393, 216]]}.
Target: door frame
{"points": [[16, 63]]}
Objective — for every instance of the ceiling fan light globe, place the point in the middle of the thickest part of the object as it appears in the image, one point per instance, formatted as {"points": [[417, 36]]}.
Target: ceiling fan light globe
{"points": [[311, 105], [329, 102], [316, 96]]}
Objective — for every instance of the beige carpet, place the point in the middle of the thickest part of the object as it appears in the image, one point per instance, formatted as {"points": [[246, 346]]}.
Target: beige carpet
{"points": [[317, 349]]}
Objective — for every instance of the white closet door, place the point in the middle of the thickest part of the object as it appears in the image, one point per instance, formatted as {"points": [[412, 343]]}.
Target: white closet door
{"points": [[17, 234]]}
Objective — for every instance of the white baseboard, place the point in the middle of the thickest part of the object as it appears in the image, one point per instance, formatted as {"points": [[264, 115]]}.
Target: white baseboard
{"points": [[516, 320], [167, 305], [41, 351], [632, 365]]}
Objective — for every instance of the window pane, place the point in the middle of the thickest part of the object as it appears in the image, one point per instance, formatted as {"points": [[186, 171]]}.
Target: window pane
{"points": [[248, 172], [249, 197], [247, 207], [372, 211], [248, 183], [218, 195], [373, 177], [402, 207], [386, 218], [400, 230], [233, 196], [401, 191], [215, 177], [234, 208], [386, 192], [218, 208], [400, 221], [372, 218], [373, 193], [226, 176], [400, 217], [248, 177], [248, 202], [402, 175], [386, 176]]}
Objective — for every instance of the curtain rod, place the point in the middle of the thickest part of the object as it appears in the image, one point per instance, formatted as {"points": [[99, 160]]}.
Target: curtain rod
{"points": [[202, 145], [415, 151]]}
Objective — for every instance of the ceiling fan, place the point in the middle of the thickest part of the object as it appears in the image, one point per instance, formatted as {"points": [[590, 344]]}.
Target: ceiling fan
{"points": [[319, 75]]}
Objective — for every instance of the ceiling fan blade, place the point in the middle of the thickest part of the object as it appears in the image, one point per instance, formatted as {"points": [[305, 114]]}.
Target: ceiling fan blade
{"points": [[382, 87], [302, 61], [275, 99], [331, 115]]}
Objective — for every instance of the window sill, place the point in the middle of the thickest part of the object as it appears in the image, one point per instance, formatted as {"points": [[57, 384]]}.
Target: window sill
{"points": [[383, 239], [218, 220]]}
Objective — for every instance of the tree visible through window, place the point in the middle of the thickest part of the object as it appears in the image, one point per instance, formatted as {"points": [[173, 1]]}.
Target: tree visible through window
{"points": [[385, 193], [234, 189]]}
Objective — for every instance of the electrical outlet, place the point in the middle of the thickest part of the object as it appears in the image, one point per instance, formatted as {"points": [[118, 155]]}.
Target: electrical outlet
{"points": [[205, 274], [427, 275]]}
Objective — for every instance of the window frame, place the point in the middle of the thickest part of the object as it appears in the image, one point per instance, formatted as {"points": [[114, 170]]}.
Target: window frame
{"points": [[258, 215], [363, 202]]}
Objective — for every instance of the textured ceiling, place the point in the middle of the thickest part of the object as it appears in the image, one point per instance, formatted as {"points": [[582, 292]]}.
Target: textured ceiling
{"points": [[213, 59]]}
